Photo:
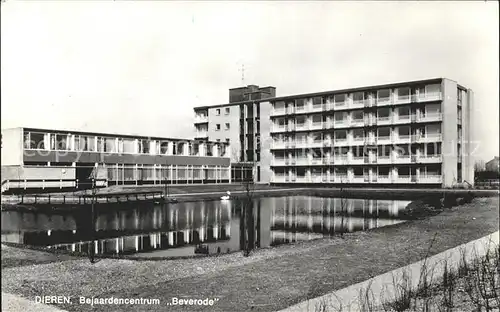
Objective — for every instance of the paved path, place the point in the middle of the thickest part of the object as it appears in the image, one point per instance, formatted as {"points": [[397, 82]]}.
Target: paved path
{"points": [[347, 298], [13, 303]]}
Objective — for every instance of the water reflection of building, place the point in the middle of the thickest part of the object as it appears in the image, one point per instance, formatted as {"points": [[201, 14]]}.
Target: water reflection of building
{"points": [[299, 218], [199, 227]]}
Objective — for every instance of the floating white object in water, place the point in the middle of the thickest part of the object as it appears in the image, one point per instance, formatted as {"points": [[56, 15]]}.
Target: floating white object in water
{"points": [[74, 231], [49, 232], [224, 197]]}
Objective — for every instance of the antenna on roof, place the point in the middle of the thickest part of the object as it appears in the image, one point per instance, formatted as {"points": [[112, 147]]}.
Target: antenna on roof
{"points": [[242, 74]]}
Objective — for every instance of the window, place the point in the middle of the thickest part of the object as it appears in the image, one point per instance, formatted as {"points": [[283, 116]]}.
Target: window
{"points": [[217, 127], [384, 94], [300, 104], [227, 140], [217, 112], [227, 126], [317, 100], [358, 97], [404, 111], [227, 110], [357, 115], [339, 99], [404, 93]]}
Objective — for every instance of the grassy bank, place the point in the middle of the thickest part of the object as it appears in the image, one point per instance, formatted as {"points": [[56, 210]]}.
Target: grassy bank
{"points": [[269, 279]]}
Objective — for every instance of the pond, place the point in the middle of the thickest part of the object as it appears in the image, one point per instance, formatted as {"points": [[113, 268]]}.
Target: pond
{"points": [[198, 228]]}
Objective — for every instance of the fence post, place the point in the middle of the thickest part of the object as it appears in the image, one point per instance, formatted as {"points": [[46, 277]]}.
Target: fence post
{"points": [[64, 199], [49, 198]]}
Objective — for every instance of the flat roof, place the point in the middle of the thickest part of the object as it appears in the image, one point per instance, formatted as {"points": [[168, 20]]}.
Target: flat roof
{"points": [[113, 135], [348, 90]]}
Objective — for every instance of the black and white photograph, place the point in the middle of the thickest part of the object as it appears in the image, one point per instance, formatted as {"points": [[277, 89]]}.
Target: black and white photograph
{"points": [[267, 156]]}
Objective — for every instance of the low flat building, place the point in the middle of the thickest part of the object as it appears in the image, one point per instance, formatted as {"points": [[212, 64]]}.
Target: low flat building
{"points": [[34, 159], [493, 165]]}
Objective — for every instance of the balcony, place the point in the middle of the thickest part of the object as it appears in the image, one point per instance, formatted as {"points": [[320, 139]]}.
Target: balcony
{"points": [[318, 108], [340, 159], [384, 179], [384, 139], [384, 160], [403, 179], [357, 179], [339, 178], [430, 117], [357, 122], [316, 161], [316, 144], [340, 123], [430, 158], [340, 105], [401, 119], [302, 161], [426, 97], [316, 126], [201, 134], [358, 140], [301, 144], [402, 159], [384, 101], [429, 178], [357, 160], [341, 142], [316, 178], [358, 104], [384, 120], [280, 178], [300, 179], [278, 128], [200, 119], [301, 126], [402, 99], [402, 139], [278, 144], [278, 111], [278, 162]]}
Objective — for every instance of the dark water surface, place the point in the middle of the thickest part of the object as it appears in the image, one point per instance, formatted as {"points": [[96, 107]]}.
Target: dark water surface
{"points": [[195, 228]]}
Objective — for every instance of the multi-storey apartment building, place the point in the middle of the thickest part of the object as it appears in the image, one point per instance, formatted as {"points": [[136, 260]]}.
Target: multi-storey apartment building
{"points": [[41, 158], [408, 133], [411, 133], [237, 123]]}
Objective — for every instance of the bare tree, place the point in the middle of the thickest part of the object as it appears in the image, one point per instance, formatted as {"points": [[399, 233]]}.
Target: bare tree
{"points": [[343, 207], [248, 214]]}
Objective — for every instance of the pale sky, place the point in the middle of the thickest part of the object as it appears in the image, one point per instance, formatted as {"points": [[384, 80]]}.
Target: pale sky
{"points": [[141, 67]]}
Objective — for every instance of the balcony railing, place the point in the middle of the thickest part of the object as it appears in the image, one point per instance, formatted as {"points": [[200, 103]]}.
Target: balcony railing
{"points": [[357, 122], [201, 134], [280, 178], [403, 179], [402, 138], [384, 139], [385, 120], [430, 117], [384, 159], [429, 178], [341, 142], [430, 158], [278, 144], [277, 112], [400, 99], [357, 160], [278, 162], [426, 97], [316, 126], [200, 119], [340, 123], [384, 101]]}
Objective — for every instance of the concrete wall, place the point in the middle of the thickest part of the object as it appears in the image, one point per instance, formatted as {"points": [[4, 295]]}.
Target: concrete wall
{"points": [[469, 143], [450, 133], [265, 145], [233, 134], [12, 147]]}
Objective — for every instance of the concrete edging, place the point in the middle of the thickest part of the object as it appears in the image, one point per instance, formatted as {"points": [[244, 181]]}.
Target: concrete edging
{"points": [[382, 286]]}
